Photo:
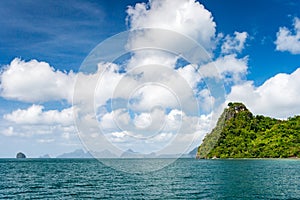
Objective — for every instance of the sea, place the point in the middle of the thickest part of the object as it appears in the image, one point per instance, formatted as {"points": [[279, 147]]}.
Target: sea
{"points": [[184, 178]]}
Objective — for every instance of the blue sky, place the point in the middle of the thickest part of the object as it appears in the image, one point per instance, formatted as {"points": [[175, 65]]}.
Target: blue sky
{"points": [[64, 32], [59, 35]]}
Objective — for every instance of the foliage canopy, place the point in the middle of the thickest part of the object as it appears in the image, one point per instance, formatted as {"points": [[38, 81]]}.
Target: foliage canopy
{"points": [[239, 134]]}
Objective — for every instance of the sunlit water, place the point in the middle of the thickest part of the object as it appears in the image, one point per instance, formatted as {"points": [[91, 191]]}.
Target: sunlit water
{"points": [[184, 179]]}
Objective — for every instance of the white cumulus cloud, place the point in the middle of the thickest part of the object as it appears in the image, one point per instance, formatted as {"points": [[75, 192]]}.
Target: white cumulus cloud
{"points": [[184, 16], [277, 97], [40, 125], [230, 68], [144, 133], [234, 44], [289, 40], [35, 81], [36, 115]]}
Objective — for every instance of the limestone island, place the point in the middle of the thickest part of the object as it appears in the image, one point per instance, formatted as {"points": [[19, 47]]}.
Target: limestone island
{"points": [[240, 134]]}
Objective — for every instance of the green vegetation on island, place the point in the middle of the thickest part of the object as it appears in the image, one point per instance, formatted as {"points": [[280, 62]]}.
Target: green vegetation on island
{"points": [[239, 134]]}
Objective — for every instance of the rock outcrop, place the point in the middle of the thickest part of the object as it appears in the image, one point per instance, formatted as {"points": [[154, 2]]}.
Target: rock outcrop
{"points": [[20, 155]]}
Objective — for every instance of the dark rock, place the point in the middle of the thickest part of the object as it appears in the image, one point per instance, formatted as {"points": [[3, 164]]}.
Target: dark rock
{"points": [[20, 155]]}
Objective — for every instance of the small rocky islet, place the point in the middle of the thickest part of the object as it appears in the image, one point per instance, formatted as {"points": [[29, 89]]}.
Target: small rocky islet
{"points": [[20, 155]]}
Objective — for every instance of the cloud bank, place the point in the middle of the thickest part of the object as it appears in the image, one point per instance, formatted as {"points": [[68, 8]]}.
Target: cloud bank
{"points": [[277, 97], [35, 114], [35, 81]]}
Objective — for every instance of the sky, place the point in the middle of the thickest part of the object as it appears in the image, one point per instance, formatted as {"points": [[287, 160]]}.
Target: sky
{"points": [[177, 63]]}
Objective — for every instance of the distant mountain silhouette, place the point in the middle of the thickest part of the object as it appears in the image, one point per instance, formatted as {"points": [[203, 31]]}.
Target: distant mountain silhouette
{"points": [[45, 156], [131, 154], [78, 153]]}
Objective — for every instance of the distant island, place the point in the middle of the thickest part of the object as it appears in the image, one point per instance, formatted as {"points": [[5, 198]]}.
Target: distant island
{"points": [[79, 153], [20, 155], [45, 156], [240, 134]]}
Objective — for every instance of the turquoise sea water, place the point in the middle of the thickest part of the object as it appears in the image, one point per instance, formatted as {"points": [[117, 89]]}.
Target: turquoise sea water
{"points": [[184, 179]]}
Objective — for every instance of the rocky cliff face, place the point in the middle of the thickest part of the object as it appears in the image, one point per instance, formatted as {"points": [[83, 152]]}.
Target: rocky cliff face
{"points": [[212, 138]]}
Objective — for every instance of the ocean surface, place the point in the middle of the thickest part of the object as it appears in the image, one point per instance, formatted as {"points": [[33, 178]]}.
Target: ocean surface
{"points": [[183, 179]]}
